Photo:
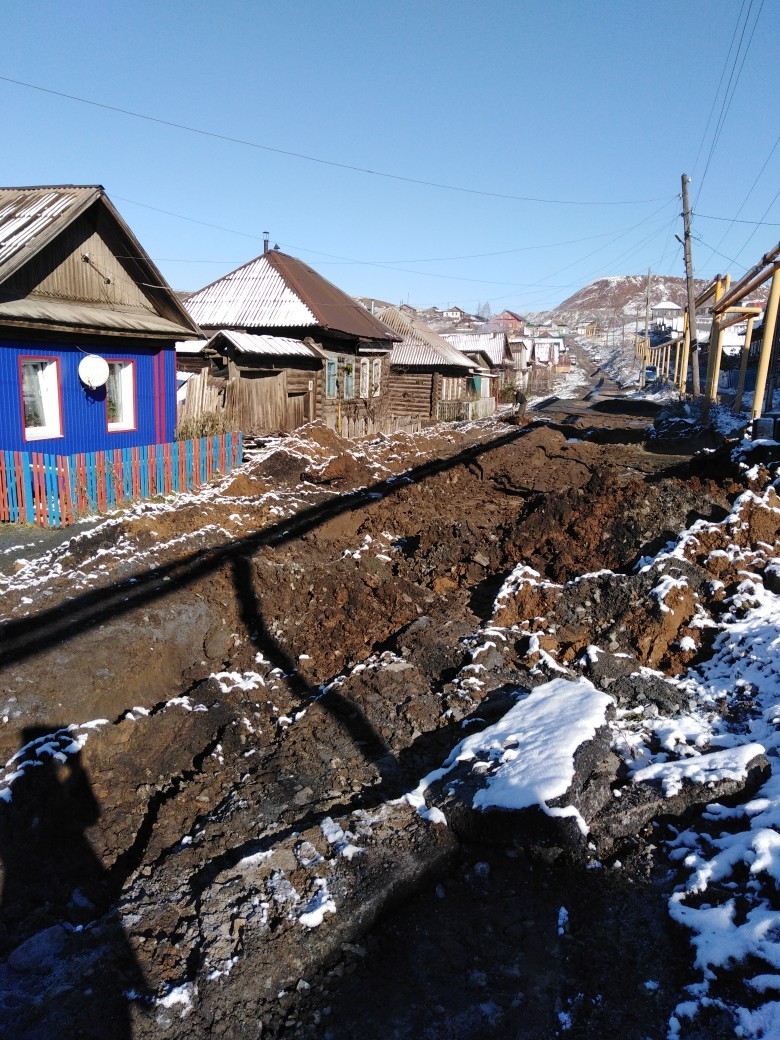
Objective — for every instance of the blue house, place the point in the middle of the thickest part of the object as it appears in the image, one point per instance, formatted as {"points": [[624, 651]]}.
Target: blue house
{"points": [[87, 327]]}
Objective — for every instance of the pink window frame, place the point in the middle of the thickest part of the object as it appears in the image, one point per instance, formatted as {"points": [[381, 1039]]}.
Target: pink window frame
{"points": [[38, 358], [134, 427]]}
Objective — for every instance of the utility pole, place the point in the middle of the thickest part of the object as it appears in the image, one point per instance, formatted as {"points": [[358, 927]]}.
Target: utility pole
{"points": [[694, 354]]}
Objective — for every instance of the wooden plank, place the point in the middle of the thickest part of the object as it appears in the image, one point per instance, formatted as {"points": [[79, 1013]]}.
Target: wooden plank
{"points": [[51, 490], [5, 511], [63, 475], [100, 479]]}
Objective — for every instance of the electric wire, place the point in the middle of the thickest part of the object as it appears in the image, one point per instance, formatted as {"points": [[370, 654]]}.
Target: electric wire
{"points": [[729, 97], [323, 162]]}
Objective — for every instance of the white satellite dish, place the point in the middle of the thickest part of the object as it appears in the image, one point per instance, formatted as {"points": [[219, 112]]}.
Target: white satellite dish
{"points": [[93, 371]]}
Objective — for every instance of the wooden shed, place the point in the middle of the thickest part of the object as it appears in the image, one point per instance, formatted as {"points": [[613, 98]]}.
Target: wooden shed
{"points": [[261, 384]]}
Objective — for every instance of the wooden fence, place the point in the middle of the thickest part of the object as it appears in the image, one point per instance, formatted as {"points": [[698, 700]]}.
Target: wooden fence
{"points": [[55, 490], [458, 411]]}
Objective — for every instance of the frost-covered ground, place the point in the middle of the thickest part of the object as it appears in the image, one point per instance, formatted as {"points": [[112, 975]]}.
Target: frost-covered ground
{"points": [[728, 862]]}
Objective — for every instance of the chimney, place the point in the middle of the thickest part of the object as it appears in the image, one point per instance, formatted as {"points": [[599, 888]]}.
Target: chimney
{"points": [[265, 241]]}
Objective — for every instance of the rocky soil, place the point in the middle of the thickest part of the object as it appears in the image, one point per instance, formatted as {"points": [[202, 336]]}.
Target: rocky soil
{"points": [[222, 706]]}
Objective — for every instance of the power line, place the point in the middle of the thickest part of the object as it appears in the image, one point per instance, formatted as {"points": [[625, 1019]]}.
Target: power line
{"points": [[720, 83], [734, 220], [729, 97], [316, 159]]}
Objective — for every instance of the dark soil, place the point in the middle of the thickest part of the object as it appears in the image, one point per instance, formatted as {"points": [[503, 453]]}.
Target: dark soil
{"points": [[434, 937]]}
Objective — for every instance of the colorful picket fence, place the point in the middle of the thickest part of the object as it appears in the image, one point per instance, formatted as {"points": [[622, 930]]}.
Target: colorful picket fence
{"points": [[55, 490]]}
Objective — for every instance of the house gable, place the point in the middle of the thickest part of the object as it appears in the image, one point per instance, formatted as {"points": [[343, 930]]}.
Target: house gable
{"points": [[69, 263]]}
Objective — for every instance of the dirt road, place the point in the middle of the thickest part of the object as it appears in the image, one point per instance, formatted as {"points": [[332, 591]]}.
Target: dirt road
{"points": [[290, 649]]}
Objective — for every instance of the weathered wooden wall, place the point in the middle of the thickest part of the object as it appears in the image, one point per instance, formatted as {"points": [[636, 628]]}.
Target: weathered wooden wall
{"points": [[411, 392]]}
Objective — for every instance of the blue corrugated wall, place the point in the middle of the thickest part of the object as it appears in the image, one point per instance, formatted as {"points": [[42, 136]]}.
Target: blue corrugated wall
{"points": [[83, 410]]}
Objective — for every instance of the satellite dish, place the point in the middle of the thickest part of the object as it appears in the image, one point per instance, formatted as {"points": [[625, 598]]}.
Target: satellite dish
{"points": [[93, 371]]}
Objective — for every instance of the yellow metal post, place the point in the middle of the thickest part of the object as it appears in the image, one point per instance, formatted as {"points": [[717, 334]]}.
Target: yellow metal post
{"points": [[770, 320], [744, 364], [716, 339]]}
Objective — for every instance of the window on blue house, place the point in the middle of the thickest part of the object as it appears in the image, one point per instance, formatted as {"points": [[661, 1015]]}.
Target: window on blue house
{"points": [[41, 398], [330, 377], [120, 396]]}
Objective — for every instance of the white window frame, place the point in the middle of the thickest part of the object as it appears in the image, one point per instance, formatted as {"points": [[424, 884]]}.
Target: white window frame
{"points": [[331, 370], [47, 375], [126, 381], [348, 368]]}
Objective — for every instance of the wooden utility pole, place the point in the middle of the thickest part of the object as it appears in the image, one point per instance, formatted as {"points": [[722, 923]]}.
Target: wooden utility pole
{"points": [[694, 348]]}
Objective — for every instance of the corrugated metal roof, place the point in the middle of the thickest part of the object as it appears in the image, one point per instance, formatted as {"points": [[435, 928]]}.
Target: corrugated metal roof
{"points": [[252, 296], [33, 217], [268, 346], [420, 345], [190, 346], [278, 291], [492, 344], [86, 317], [30, 217]]}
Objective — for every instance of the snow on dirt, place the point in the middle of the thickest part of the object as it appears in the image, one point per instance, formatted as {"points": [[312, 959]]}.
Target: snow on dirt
{"points": [[727, 860], [528, 755]]}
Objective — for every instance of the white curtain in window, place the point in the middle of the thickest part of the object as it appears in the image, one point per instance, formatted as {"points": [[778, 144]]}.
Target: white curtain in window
{"points": [[32, 393]]}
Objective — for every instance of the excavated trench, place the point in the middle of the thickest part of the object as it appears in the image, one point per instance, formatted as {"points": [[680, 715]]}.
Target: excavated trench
{"points": [[260, 678]]}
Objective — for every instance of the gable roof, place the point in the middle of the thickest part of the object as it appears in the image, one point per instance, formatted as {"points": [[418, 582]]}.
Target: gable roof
{"points": [[277, 291], [420, 346], [493, 345], [46, 233], [266, 346]]}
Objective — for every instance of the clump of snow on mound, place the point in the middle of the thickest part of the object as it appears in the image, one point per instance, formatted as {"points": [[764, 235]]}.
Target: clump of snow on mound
{"points": [[340, 839], [57, 745], [179, 996], [530, 752], [321, 903], [701, 769]]}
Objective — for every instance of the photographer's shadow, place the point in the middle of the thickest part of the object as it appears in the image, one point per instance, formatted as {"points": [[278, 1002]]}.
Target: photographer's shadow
{"points": [[66, 966]]}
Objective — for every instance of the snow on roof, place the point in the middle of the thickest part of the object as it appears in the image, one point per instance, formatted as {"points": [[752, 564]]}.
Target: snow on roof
{"points": [[191, 346], [420, 345], [29, 217], [492, 344], [269, 346], [666, 305]]}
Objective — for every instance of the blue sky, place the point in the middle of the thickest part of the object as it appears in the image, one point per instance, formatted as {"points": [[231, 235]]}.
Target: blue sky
{"points": [[600, 102]]}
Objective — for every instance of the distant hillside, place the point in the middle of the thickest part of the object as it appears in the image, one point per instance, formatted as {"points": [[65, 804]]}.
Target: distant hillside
{"points": [[623, 296]]}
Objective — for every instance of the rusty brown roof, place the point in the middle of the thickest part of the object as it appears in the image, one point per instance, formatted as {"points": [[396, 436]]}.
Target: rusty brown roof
{"points": [[277, 291]]}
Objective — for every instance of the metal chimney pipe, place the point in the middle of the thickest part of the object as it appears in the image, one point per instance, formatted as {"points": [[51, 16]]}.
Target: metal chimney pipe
{"points": [[265, 241]]}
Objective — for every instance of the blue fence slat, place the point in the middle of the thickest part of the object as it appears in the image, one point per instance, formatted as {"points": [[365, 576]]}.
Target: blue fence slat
{"points": [[52, 491], [13, 498], [188, 471], [28, 484]]}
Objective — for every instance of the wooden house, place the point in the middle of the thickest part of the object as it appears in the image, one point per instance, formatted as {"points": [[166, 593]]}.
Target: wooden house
{"points": [[493, 349], [429, 378], [276, 295], [87, 327]]}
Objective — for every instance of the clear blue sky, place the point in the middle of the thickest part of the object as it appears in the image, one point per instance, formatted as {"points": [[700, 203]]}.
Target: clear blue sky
{"points": [[606, 101]]}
